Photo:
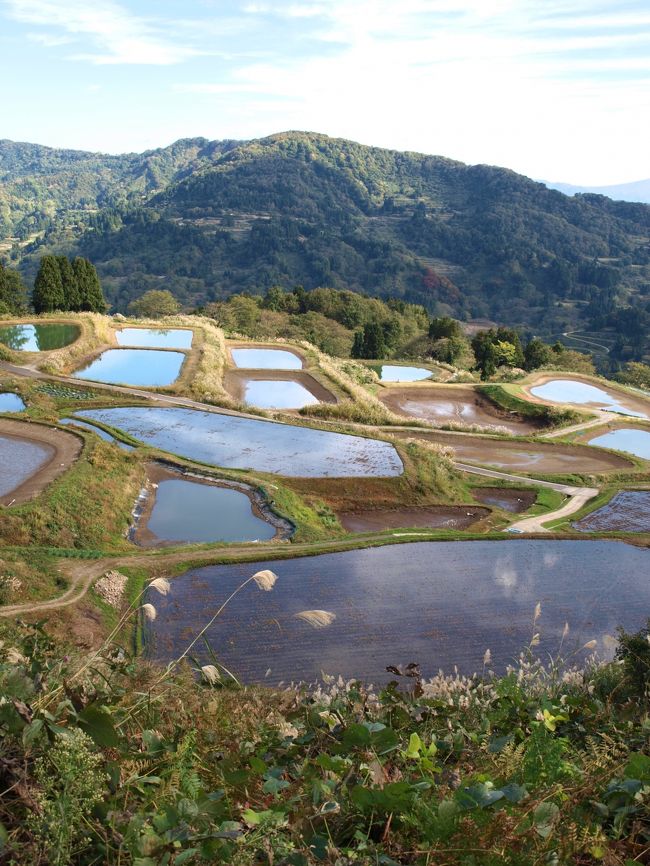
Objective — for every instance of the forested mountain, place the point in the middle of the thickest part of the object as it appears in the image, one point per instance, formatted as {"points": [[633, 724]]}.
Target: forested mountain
{"points": [[205, 219]]}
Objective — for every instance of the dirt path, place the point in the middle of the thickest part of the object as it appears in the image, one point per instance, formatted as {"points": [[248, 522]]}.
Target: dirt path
{"points": [[64, 449]]}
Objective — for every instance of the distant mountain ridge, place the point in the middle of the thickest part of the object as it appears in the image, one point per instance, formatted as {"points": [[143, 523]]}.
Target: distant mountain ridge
{"points": [[206, 219], [636, 191]]}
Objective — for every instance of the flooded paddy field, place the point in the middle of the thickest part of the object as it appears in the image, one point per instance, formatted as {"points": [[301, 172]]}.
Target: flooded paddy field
{"points": [[508, 498], [446, 404], [276, 389], [633, 440], [437, 603], [628, 511], [31, 456], [245, 443], [103, 434], [541, 457], [137, 367], [258, 358], [155, 338], [396, 373], [10, 402], [429, 517], [180, 508], [38, 337], [575, 392]]}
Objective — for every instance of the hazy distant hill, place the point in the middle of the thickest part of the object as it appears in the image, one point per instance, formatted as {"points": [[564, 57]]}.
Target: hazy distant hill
{"points": [[209, 218], [638, 190]]}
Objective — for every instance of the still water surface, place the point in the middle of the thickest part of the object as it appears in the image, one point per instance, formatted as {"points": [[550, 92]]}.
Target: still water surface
{"points": [[155, 338], [580, 393], [265, 359], [395, 373], [193, 512], [38, 338], [626, 439], [244, 443], [19, 460], [139, 367], [628, 511], [272, 394], [439, 604], [11, 403], [75, 422]]}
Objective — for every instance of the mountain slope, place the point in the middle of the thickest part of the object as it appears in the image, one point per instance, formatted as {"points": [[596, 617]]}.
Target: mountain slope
{"points": [[207, 219]]}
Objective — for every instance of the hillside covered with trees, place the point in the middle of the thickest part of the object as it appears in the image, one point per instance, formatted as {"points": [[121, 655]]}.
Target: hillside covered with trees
{"points": [[208, 219]]}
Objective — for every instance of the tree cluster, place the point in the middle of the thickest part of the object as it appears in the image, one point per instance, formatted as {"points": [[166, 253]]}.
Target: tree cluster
{"points": [[13, 292], [69, 286]]}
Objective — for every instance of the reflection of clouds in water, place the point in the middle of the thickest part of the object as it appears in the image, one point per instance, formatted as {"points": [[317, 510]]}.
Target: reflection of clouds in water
{"points": [[550, 559], [505, 575]]}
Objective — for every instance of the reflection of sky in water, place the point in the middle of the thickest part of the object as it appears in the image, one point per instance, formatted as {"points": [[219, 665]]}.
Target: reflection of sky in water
{"points": [[156, 338], [19, 460], [270, 394], [570, 391], [439, 604], [243, 443], [265, 359], [394, 373], [11, 403], [140, 367], [626, 439]]}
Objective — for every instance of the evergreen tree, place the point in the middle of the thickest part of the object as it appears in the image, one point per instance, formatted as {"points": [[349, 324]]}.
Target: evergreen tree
{"points": [[48, 287], [537, 354], [71, 295], [369, 343], [357, 345], [90, 290], [13, 293]]}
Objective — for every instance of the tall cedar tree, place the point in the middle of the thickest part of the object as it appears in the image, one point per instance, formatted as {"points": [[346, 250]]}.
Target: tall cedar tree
{"points": [[90, 290], [71, 295], [13, 293], [48, 287]]}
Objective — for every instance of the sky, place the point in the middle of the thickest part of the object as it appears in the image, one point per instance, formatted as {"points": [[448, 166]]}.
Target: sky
{"points": [[558, 90]]}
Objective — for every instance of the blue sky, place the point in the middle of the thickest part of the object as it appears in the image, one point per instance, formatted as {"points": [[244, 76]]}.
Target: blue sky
{"points": [[555, 89]]}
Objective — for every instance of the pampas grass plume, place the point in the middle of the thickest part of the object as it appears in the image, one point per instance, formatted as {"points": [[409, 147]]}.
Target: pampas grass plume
{"points": [[265, 579], [149, 612], [316, 618], [210, 674], [161, 584]]}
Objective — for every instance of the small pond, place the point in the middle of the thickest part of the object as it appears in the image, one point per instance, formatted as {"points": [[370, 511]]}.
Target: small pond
{"points": [[19, 460], [75, 422], [437, 603], [244, 443], [583, 394], [395, 373], [265, 359], [626, 439], [628, 511], [192, 511], [11, 403], [38, 338], [277, 394], [155, 338], [138, 367]]}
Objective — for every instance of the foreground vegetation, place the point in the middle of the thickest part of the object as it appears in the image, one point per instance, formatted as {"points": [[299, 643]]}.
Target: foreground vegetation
{"points": [[107, 760]]}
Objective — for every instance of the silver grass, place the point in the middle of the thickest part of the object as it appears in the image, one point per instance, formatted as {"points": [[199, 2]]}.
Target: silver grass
{"points": [[161, 584], [316, 618], [265, 579], [210, 674], [149, 611]]}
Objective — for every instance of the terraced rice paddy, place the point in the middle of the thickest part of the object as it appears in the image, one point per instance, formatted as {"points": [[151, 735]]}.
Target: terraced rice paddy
{"points": [[137, 367]]}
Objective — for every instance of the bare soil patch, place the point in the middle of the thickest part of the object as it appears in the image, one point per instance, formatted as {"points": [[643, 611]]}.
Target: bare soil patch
{"points": [[430, 517], [457, 404], [65, 448], [537, 457], [508, 498]]}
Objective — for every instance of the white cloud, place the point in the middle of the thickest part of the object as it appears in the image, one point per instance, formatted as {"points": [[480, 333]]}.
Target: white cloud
{"points": [[115, 35]]}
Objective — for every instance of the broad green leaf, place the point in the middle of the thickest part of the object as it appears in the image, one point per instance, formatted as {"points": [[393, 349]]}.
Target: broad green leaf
{"points": [[638, 767], [98, 724]]}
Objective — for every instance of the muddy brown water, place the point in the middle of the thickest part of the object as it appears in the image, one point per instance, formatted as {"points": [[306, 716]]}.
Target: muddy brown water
{"points": [[445, 404], [430, 517], [628, 511], [543, 457], [440, 604], [507, 498]]}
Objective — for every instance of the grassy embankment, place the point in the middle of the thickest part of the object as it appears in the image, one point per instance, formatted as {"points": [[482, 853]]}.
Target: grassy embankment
{"points": [[106, 759], [511, 398]]}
